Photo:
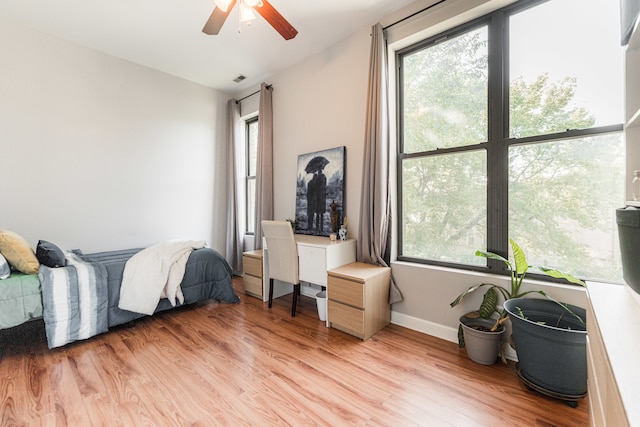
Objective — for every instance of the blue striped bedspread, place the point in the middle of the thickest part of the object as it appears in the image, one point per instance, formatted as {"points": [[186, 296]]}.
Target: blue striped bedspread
{"points": [[75, 299]]}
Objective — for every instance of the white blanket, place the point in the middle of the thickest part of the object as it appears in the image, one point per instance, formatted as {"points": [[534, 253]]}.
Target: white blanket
{"points": [[153, 273]]}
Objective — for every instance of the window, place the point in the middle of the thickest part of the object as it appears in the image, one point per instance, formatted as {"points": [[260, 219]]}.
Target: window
{"points": [[510, 127], [252, 158]]}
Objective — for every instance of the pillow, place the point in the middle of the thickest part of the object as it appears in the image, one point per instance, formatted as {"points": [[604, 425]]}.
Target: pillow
{"points": [[18, 252], [49, 254], [5, 270]]}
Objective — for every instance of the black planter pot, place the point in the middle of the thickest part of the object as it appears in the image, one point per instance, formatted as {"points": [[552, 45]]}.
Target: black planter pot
{"points": [[629, 233], [552, 357]]}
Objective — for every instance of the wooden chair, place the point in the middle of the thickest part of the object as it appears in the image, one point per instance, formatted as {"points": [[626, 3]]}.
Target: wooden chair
{"points": [[282, 257]]}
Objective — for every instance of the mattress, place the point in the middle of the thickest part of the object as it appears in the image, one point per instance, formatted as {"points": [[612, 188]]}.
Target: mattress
{"points": [[207, 277]]}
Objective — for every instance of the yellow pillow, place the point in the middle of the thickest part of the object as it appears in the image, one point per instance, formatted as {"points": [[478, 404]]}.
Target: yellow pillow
{"points": [[18, 252]]}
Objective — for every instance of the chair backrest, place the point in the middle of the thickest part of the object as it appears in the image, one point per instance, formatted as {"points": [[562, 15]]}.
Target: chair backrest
{"points": [[282, 251]]}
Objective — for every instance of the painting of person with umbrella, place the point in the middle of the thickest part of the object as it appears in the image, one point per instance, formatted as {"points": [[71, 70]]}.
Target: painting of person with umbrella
{"points": [[320, 178], [316, 193]]}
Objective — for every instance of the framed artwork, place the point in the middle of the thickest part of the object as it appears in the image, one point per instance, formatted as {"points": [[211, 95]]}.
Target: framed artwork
{"points": [[320, 191]]}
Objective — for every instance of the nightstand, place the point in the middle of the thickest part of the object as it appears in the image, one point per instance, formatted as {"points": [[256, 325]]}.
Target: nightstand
{"points": [[358, 299], [252, 280]]}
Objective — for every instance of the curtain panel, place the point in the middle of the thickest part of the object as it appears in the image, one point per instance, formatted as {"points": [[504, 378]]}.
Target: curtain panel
{"points": [[375, 203], [235, 228], [264, 166]]}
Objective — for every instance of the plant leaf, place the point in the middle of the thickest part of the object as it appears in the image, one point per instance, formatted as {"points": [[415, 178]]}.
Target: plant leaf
{"points": [[491, 255], [561, 304], [520, 259], [489, 303], [505, 293], [560, 275], [467, 292]]}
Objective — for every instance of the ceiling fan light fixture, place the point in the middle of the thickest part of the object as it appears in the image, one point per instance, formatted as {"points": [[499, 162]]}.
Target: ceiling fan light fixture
{"points": [[222, 4], [246, 13]]}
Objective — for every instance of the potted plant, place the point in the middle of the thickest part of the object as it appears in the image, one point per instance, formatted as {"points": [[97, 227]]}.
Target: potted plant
{"points": [[294, 224], [550, 341], [491, 316]]}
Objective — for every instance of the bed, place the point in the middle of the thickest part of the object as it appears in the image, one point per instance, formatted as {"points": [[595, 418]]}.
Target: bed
{"points": [[207, 277], [20, 299], [78, 297]]}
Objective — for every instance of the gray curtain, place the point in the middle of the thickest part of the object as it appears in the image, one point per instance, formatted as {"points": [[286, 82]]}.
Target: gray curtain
{"points": [[374, 235], [264, 167], [234, 233]]}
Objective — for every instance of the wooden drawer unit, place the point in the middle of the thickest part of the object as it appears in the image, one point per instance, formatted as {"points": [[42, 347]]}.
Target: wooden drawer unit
{"points": [[358, 296], [252, 280], [348, 292], [252, 285], [346, 318]]}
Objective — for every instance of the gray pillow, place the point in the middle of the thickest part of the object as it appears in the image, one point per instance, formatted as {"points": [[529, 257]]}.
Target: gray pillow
{"points": [[5, 270], [49, 254]]}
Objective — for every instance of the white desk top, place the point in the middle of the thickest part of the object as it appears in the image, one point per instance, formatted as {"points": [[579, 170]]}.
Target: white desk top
{"points": [[316, 241], [319, 241]]}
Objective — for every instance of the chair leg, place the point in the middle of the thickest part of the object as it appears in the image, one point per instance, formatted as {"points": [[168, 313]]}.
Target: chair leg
{"points": [[270, 292], [296, 291]]}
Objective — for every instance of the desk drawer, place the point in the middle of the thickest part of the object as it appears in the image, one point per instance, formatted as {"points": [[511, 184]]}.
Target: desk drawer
{"points": [[347, 319], [252, 266], [252, 285], [346, 291], [313, 264]]}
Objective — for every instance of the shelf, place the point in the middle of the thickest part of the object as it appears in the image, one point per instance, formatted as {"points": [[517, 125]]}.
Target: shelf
{"points": [[632, 89], [634, 121], [632, 105], [634, 40]]}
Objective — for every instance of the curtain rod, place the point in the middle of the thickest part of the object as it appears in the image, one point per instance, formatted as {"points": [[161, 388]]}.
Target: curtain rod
{"points": [[413, 14], [251, 94]]}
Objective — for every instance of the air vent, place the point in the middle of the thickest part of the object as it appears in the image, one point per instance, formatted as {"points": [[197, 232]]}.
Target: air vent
{"points": [[239, 78]]}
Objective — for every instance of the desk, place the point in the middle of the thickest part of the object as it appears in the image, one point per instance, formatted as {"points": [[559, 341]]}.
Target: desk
{"points": [[316, 256]]}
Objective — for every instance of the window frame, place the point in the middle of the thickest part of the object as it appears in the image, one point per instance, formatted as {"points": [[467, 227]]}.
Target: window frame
{"points": [[498, 143], [248, 177]]}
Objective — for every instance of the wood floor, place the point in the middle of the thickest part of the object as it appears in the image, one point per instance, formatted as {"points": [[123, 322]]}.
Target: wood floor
{"points": [[237, 365]]}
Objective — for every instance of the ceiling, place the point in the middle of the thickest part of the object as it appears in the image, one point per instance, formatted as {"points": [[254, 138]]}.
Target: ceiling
{"points": [[166, 34]]}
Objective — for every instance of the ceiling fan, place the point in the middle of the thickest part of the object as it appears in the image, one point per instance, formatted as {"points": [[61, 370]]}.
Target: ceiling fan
{"points": [[263, 7]]}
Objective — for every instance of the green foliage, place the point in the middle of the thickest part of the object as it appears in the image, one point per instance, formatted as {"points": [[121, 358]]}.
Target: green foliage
{"points": [[556, 189], [517, 272], [489, 303], [542, 107]]}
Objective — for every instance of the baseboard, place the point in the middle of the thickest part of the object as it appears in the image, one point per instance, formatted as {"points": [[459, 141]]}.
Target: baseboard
{"points": [[436, 330]]}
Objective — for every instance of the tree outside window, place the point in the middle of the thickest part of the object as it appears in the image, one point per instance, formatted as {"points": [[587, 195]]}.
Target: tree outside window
{"points": [[510, 126]]}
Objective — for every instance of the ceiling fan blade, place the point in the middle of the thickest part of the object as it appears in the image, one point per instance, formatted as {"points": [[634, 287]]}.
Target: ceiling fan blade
{"points": [[216, 20], [277, 21]]}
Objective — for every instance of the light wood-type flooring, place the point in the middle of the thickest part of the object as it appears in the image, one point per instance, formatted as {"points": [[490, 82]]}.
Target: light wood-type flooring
{"points": [[238, 365]]}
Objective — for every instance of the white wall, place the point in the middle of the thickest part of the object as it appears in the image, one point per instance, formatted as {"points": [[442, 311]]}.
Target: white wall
{"points": [[99, 153], [321, 103]]}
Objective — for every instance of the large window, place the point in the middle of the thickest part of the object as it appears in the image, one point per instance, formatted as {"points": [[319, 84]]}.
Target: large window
{"points": [[252, 158], [510, 127]]}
